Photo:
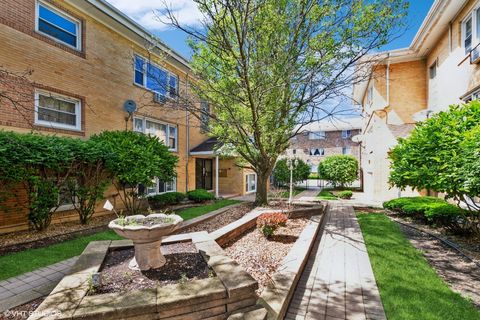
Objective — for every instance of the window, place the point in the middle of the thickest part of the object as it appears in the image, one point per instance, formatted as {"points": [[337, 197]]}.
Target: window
{"points": [[58, 25], [166, 133], [346, 134], [433, 70], [154, 78], [159, 187], [64, 201], [204, 116], [370, 95], [316, 135], [251, 182], [467, 33], [294, 151], [317, 152], [472, 96], [57, 111], [346, 150]]}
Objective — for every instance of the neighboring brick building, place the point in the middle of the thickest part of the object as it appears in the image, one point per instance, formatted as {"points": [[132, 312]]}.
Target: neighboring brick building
{"points": [[319, 140], [87, 58], [406, 85]]}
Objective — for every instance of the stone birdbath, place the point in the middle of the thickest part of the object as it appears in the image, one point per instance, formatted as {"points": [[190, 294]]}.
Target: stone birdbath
{"points": [[146, 232]]}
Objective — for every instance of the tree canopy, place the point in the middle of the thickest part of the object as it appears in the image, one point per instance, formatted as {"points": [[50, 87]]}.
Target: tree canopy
{"points": [[340, 170], [281, 173], [269, 67]]}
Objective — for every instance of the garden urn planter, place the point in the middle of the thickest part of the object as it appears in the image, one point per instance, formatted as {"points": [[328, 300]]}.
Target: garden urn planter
{"points": [[146, 232]]}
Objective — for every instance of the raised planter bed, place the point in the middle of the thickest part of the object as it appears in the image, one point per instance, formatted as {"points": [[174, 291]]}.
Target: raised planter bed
{"points": [[232, 289]]}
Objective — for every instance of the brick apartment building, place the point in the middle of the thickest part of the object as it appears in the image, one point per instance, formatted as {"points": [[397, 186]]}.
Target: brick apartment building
{"points": [[439, 68], [86, 59], [321, 139]]}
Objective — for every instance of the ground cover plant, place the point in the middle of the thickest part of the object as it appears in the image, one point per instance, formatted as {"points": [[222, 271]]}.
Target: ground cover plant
{"points": [[345, 194], [433, 211], [408, 285], [326, 195]]}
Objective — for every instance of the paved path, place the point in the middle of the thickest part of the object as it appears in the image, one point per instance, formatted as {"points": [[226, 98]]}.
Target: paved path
{"points": [[338, 281], [307, 195], [32, 285]]}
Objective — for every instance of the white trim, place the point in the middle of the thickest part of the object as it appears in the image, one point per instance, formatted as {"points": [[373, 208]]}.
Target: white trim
{"points": [[247, 185], [78, 110], [157, 183], [202, 153], [168, 126], [65, 15]]}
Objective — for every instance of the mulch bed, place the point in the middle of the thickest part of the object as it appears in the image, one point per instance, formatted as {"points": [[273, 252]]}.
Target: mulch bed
{"points": [[461, 274], [55, 233], [220, 220], [184, 263], [261, 257], [21, 312]]}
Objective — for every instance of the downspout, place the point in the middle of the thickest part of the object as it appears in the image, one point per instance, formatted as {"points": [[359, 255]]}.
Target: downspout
{"points": [[187, 140], [388, 86]]}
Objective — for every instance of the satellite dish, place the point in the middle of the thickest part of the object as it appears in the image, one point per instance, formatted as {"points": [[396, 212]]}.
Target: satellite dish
{"points": [[358, 138], [130, 106]]}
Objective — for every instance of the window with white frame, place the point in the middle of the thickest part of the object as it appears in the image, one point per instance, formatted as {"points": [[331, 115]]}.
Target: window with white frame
{"points": [[471, 30], [166, 133], [58, 25], [346, 150], [317, 152], [57, 111], [65, 201], [155, 78], [346, 134], [316, 135], [159, 187], [251, 182]]}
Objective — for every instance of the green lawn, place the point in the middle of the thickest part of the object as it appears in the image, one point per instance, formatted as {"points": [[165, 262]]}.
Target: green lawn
{"points": [[409, 287], [326, 195], [20, 262], [194, 212], [296, 191]]}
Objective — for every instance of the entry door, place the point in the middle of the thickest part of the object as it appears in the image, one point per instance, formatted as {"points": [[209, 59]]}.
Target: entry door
{"points": [[204, 174]]}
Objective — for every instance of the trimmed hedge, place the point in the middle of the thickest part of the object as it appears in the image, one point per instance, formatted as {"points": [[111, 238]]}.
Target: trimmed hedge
{"points": [[347, 194], [433, 211], [200, 195], [165, 199]]}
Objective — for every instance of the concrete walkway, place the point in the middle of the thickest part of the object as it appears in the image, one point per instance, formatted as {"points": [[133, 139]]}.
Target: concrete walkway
{"points": [[32, 285], [307, 195], [338, 281]]}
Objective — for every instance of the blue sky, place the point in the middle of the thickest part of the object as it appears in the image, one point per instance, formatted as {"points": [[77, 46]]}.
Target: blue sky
{"points": [[142, 11]]}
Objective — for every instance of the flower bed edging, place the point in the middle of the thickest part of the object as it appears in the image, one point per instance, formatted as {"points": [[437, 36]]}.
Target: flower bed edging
{"points": [[277, 295], [232, 289]]}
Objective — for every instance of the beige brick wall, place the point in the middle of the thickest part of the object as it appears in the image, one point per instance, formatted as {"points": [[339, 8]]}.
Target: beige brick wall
{"points": [[101, 75]]}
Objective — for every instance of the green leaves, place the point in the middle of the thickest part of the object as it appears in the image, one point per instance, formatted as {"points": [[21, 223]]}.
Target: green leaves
{"points": [[281, 173], [339, 170], [441, 154]]}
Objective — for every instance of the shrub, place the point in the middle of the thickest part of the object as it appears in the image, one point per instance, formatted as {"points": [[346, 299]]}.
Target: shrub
{"points": [[269, 222], [165, 199], [200, 195], [432, 210], [339, 170], [281, 173], [346, 194], [135, 159]]}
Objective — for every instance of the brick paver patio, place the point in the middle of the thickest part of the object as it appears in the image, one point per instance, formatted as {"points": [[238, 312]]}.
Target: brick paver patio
{"points": [[32, 285], [338, 281]]}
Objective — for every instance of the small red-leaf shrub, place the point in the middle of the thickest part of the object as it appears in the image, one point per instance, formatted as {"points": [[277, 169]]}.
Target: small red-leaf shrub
{"points": [[269, 222]]}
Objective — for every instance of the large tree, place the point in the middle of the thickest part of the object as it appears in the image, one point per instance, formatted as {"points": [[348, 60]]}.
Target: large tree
{"points": [[269, 67]]}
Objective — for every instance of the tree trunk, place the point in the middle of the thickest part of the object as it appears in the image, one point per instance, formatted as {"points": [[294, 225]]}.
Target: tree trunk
{"points": [[261, 196]]}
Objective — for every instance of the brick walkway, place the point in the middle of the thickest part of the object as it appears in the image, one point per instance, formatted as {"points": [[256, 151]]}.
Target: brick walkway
{"points": [[32, 285], [338, 281]]}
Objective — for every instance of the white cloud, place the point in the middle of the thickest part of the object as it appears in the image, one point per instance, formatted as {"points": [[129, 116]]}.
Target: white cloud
{"points": [[147, 12]]}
